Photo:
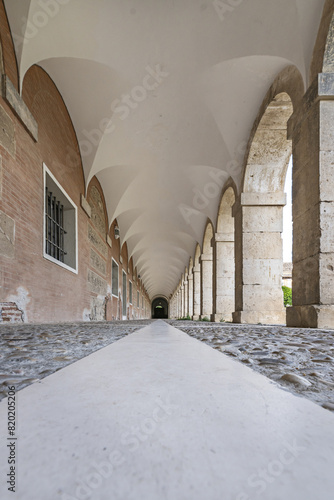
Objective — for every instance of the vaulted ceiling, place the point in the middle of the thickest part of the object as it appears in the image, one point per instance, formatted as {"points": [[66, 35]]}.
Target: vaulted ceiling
{"points": [[163, 95]]}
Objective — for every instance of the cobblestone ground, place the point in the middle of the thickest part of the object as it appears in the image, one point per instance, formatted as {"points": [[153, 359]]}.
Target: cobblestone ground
{"points": [[29, 353], [299, 360]]}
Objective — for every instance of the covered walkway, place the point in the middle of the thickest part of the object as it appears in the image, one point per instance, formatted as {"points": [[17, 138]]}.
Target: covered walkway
{"points": [[159, 415]]}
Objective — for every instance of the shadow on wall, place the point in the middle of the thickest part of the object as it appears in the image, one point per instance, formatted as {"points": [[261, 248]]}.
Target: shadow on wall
{"points": [[160, 308]]}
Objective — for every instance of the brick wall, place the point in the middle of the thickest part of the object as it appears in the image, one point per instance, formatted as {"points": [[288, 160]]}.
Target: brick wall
{"points": [[31, 287]]}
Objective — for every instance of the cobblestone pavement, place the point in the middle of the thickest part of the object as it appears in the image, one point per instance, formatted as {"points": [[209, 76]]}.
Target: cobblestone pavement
{"points": [[30, 352], [299, 360]]}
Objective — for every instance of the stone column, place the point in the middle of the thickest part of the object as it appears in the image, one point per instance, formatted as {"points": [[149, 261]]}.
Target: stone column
{"points": [[197, 292], [172, 308], [190, 295], [223, 277], [259, 258], [311, 128], [186, 298], [179, 303], [206, 285], [182, 301]]}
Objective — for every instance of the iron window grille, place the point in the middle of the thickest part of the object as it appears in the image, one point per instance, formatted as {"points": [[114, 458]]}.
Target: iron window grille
{"points": [[54, 227]]}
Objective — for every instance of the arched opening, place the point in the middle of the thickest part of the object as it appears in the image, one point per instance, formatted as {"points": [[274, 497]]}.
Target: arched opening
{"points": [[259, 219], [223, 260], [313, 188], [287, 235], [207, 273], [159, 308], [197, 284], [191, 288]]}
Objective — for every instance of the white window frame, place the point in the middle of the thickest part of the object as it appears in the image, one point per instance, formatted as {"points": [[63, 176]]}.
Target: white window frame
{"points": [[113, 260], [46, 256]]}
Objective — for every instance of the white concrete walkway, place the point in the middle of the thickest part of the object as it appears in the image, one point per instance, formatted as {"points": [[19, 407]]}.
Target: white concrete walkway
{"points": [[159, 415]]}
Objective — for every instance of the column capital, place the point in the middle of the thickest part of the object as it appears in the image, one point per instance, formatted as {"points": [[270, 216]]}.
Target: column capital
{"points": [[321, 89], [206, 257], [259, 199], [197, 268], [224, 237]]}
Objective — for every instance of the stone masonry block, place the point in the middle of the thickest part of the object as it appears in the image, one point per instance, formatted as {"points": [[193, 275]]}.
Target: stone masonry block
{"points": [[305, 276], [7, 132], [96, 284], [305, 189], [326, 125], [259, 297], [262, 245], [263, 271], [326, 227], [326, 267], [306, 235], [268, 147], [14, 99], [268, 219], [326, 175], [7, 235]]}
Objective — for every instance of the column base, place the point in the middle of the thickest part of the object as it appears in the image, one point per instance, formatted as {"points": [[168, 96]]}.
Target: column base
{"points": [[205, 316], [312, 316], [277, 317], [218, 317], [195, 318]]}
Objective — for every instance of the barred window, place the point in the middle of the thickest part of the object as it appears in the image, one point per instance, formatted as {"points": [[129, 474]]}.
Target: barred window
{"points": [[60, 224], [130, 292], [54, 226]]}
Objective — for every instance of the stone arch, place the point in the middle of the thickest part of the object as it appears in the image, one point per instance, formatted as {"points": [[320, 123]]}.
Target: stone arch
{"points": [[290, 82], [190, 310], [186, 292], [197, 284], [223, 257], [160, 308], [270, 150], [259, 209], [323, 53], [207, 272], [197, 254]]}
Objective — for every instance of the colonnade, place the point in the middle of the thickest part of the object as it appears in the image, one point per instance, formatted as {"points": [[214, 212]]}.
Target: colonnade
{"points": [[236, 272]]}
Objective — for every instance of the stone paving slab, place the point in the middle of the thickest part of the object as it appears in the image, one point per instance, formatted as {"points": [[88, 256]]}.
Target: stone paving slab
{"points": [[300, 360], [159, 415]]}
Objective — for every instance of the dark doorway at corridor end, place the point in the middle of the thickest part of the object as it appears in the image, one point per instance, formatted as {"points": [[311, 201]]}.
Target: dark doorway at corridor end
{"points": [[160, 308]]}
